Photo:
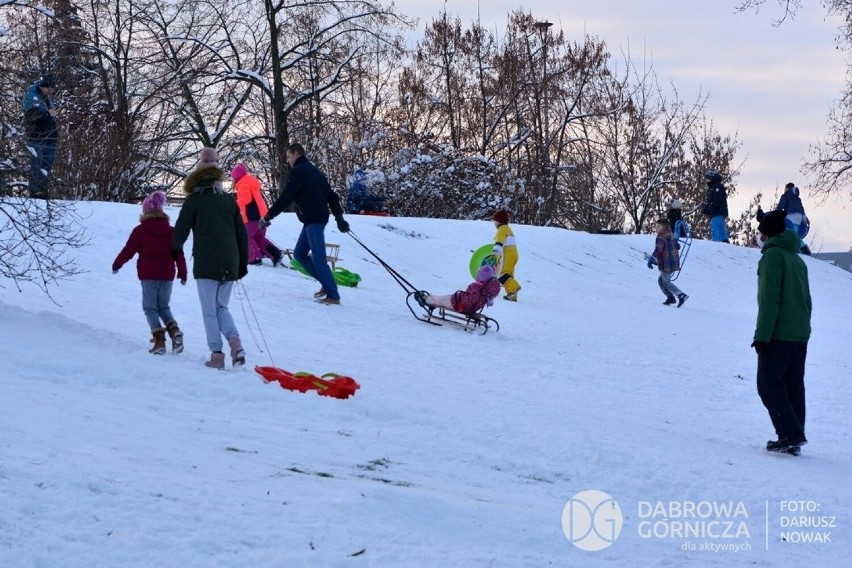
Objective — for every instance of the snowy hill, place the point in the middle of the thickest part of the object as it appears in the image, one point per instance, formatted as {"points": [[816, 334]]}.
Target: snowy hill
{"points": [[458, 450]]}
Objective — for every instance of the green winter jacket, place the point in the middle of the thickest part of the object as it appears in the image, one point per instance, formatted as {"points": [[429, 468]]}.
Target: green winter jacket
{"points": [[783, 294], [220, 242]]}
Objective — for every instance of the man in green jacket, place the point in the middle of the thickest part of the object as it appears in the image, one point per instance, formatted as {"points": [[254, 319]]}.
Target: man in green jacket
{"points": [[782, 333]]}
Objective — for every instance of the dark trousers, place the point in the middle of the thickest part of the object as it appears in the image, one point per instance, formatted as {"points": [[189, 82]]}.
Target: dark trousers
{"points": [[781, 385], [42, 155]]}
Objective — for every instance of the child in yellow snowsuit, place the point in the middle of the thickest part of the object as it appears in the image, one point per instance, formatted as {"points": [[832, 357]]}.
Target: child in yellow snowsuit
{"points": [[505, 248]]}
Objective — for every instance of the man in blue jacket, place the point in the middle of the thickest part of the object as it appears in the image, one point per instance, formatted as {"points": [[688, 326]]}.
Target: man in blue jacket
{"points": [[42, 135], [308, 189]]}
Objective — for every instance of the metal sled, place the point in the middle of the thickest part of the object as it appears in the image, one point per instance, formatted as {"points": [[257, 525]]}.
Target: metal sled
{"points": [[683, 237], [474, 323]]}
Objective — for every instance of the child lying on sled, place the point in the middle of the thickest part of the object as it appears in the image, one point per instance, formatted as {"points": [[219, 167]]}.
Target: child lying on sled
{"points": [[478, 294]]}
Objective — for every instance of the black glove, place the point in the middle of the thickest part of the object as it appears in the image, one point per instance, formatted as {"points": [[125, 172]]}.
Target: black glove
{"points": [[342, 225], [175, 253], [243, 271], [760, 346], [263, 223]]}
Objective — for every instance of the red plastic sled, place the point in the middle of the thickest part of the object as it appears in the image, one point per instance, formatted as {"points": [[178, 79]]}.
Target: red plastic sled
{"points": [[330, 384]]}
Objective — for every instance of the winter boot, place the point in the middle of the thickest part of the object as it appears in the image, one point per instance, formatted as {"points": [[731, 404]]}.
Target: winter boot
{"points": [[681, 298], [511, 296], [320, 294], [421, 297], [159, 341], [177, 336], [277, 255], [217, 361], [238, 354], [669, 301], [787, 445]]}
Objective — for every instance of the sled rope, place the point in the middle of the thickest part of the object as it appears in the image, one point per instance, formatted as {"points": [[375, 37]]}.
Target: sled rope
{"points": [[405, 284], [243, 294]]}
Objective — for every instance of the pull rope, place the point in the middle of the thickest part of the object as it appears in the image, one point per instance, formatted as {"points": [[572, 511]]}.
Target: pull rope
{"points": [[242, 293], [405, 284]]}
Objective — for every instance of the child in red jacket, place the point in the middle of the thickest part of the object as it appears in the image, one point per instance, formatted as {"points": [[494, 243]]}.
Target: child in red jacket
{"points": [[152, 240]]}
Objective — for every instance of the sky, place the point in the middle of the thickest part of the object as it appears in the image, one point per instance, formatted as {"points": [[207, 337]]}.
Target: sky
{"points": [[773, 86], [457, 450]]}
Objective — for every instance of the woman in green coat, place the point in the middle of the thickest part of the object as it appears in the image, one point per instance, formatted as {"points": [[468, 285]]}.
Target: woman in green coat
{"points": [[219, 252]]}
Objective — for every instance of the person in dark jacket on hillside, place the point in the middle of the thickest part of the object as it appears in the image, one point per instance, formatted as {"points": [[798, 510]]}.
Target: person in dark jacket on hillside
{"points": [[667, 259], [308, 188], [42, 135], [782, 332], [791, 204], [219, 251], [674, 216], [716, 206], [152, 239]]}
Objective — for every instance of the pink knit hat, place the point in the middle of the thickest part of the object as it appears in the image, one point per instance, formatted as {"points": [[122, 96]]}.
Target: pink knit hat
{"points": [[239, 171], [154, 202], [485, 273], [207, 158]]}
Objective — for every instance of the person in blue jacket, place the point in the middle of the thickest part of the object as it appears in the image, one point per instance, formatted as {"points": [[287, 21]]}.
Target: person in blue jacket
{"points": [[359, 199], [791, 204], [41, 132], [308, 189]]}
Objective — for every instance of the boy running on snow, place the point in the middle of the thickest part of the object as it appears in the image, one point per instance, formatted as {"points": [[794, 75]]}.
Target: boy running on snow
{"points": [[668, 261]]}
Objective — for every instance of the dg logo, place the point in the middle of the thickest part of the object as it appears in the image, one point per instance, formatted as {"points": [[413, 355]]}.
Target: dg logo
{"points": [[592, 520]]}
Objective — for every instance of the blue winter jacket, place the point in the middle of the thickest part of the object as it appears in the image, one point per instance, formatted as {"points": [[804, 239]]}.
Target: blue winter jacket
{"points": [[38, 122], [790, 202]]}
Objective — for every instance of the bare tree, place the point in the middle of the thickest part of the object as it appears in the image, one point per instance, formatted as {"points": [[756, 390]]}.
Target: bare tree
{"points": [[37, 239], [644, 144], [789, 8], [830, 162]]}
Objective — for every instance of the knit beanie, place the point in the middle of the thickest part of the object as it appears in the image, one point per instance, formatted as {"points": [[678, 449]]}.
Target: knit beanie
{"points": [[48, 81], [773, 223], [207, 158], [501, 216], [239, 171], [485, 273], [154, 202]]}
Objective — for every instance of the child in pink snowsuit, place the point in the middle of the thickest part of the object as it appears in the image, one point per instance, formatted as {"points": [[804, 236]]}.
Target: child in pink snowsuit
{"points": [[252, 208], [478, 294]]}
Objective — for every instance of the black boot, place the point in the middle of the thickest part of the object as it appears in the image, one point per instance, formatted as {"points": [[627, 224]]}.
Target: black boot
{"points": [[790, 445], [277, 254], [669, 301]]}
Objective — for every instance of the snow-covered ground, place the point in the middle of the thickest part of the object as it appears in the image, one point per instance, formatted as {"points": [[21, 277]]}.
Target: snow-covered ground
{"points": [[458, 450]]}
